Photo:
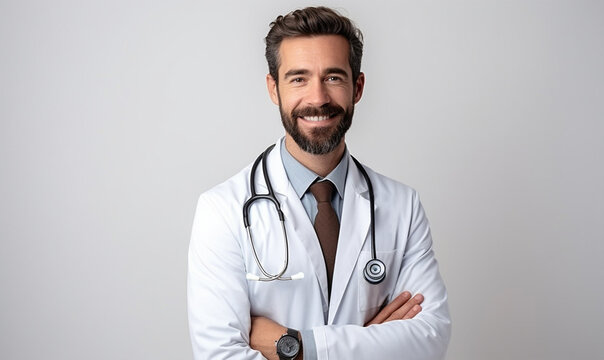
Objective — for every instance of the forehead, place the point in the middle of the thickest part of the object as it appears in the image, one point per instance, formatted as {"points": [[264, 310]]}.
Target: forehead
{"points": [[314, 53]]}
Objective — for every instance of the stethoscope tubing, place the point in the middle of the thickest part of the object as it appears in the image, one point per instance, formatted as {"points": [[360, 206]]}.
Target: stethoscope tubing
{"points": [[270, 195], [371, 205], [374, 271]]}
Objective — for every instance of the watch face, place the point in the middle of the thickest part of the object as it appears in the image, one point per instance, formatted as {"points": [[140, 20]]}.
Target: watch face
{"points": [[288, 346]]}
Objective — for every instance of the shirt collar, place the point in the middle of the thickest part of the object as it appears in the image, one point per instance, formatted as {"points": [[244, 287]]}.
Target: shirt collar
{"points": [[301, 177]]}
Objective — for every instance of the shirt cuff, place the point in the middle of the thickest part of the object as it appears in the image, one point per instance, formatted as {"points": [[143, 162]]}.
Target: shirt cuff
{"points": [[309, 348]]}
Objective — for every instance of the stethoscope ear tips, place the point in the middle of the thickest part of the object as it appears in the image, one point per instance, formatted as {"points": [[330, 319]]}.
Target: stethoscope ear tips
{"points": [[375, 271]]}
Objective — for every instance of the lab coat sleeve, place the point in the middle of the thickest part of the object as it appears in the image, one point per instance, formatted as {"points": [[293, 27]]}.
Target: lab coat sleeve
{"points": [[424, 337], [218, 305]]}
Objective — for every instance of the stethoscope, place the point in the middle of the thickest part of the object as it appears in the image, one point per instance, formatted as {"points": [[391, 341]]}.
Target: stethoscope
{"points": [[375, 269]]}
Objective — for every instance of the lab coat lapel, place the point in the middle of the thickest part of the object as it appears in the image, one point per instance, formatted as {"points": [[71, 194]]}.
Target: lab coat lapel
{"points": [[354, 230], [299, 227]]}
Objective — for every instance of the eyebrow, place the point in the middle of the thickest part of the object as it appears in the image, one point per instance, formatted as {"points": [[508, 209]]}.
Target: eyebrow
{"points": [[332, 70], [296, 72]]}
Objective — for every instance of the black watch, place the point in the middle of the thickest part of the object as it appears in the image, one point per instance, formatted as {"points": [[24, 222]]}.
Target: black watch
{"points": [[288, 345]]}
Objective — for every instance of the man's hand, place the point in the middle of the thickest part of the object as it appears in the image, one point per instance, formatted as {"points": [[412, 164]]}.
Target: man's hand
{"points": [[265, 331], [263, 335], [402, 308]]}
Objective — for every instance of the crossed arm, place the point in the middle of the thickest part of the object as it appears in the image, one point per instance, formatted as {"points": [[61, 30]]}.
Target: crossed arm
{"points": [[265, 332], [218, 291]]}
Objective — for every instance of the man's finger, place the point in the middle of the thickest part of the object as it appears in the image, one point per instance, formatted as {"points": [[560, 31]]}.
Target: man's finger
{"points": [[387, 311], [401, 312], [414, 311]]}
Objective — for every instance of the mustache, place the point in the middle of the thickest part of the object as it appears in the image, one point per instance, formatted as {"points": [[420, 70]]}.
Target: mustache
{"points": [[325, 110]]}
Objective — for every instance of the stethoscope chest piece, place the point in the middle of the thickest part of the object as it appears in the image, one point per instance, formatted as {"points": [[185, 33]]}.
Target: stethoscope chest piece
{"points": [[375, 271]]}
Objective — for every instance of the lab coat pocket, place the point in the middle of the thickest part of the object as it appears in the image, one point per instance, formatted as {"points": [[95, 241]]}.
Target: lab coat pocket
{"points": [[373, 296]]}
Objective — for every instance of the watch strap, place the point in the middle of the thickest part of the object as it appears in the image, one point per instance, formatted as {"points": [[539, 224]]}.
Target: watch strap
{"points": [[294, 333]]}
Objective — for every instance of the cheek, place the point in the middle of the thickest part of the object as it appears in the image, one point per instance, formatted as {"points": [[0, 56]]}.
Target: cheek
{"points": [[289, 102], [342, 94], [345, 100]]}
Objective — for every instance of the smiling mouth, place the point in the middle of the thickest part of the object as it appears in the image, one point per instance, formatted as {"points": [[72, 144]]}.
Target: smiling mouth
{"points": [[316, 118], [318, 114]]}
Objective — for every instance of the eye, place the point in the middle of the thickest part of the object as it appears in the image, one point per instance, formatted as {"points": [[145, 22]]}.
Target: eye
{"points": [[297, 80], [333, 78]]}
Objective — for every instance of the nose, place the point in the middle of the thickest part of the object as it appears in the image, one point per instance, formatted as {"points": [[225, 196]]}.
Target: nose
{"points": [[318, 94]]}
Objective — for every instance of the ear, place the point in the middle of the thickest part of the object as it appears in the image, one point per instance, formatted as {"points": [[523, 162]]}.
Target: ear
{"points": [[271, 86], [358, 87]]}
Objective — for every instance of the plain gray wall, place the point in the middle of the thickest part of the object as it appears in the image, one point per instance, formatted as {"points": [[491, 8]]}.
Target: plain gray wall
{"points": [[116, 115]]}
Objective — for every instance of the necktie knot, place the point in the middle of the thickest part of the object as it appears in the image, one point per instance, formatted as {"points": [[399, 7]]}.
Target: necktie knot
{"points": [[322, 190]]}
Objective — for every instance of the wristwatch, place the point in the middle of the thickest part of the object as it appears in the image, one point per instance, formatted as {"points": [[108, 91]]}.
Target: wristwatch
{"points": [[288, 345]]}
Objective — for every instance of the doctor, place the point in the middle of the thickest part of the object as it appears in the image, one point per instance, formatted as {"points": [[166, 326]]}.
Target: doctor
{"points": [[329, 310]]}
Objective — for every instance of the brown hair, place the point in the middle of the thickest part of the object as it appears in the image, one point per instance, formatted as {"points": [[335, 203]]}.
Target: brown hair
{"points": [[308, 22]]}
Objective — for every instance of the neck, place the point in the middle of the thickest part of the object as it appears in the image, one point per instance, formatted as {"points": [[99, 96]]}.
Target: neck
{"points": [[320, 164]]}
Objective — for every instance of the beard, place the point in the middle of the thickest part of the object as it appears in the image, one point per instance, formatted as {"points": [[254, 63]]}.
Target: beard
{"points": [[322, 140]]}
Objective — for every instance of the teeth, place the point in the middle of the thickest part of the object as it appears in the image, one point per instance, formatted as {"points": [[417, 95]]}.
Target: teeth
{"points": [[316, 118]]}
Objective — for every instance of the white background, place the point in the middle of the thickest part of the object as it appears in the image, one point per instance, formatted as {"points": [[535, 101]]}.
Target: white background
{"points": [[116, 115]]}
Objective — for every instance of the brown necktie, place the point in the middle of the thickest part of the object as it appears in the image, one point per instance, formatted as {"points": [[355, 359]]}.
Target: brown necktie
{"points": [[327, 225]]}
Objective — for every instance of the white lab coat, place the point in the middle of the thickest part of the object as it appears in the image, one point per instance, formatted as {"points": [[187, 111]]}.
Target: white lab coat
{"points": [[221, 300]]}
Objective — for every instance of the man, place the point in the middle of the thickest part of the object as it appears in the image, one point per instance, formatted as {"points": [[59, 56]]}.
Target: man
{"points": [[298, 289]]}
